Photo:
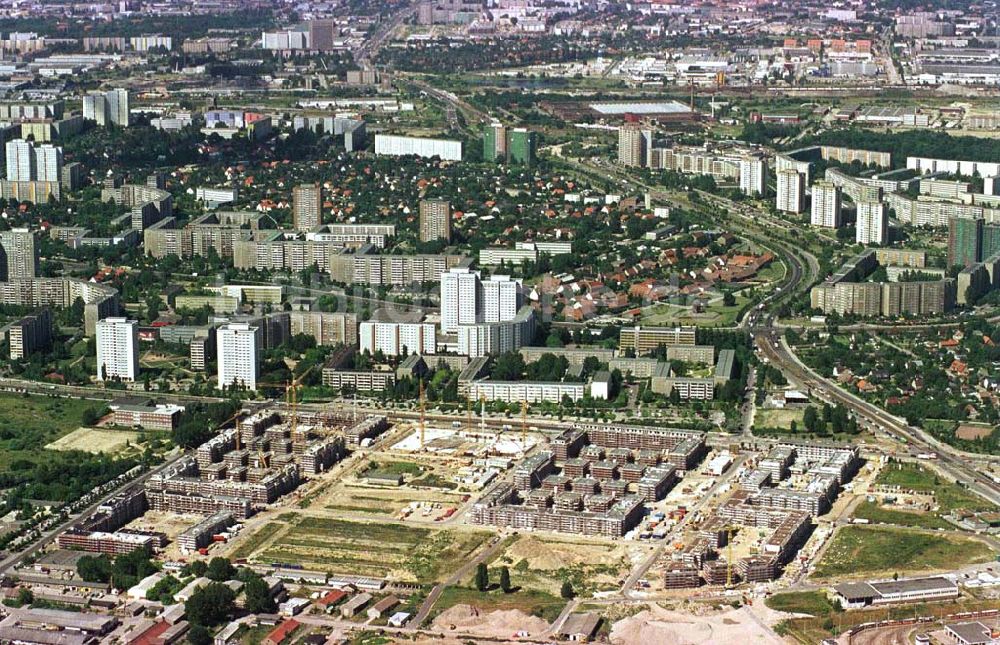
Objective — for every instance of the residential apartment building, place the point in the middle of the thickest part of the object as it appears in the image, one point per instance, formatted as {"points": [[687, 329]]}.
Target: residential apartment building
{"points": [[117, 349], [236, 351], [435, 220], [826, 205], [20, 254], [397, 338], [873, 223], [30, 334], [307, 207], [791, 191]]}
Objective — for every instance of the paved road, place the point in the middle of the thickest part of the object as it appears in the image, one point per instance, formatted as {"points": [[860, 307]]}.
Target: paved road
{"points": [[11, 560]]}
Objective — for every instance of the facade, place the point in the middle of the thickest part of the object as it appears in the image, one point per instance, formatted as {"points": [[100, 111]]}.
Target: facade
{"points": [[495, 142], [446, 149], [117, 349], [307, 207], [521, 146], [237, 355], [966, 241], [872, 224], [108, 108], [634, 146], [27, 161], [643, 340], [791, 191], [20, 254], [502, 298], [461, 299], [753, 175], [826, 205], [397, 338], [361, 268], [328, 328], [30, 334], [435, 220], [485, 338]]}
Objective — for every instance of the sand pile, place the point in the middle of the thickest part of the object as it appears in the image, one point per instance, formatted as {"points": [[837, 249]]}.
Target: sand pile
{"points": [[495, 624]]}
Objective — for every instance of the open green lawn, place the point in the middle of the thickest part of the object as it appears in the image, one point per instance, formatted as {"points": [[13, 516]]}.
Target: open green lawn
{"points": [[814, 603], [880, 550], [881, 515], [779, 418], [949, 495], [530, 601], [393, 468], [372, 549], [29, 423]]}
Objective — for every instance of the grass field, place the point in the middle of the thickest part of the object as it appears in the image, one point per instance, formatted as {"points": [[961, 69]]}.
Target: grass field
{"points": [[96, 440], [872, 550], [250, 544], [532, 602], [949, 495], [29, 423], [380, 550], [814, 603], [779, 418], [543, 564], [881, 515]]}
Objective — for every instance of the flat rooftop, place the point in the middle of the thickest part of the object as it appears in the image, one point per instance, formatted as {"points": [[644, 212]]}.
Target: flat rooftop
{"points": [[656, 107]]}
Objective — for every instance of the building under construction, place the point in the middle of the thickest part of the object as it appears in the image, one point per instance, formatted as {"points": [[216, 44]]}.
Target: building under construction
{"points": [[594, 480], [817, 471]]}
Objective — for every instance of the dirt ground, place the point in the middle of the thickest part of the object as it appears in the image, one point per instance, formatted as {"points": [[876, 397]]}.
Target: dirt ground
{"points": [[551, 555], [667, 627], [94, 440], [495, 624]]}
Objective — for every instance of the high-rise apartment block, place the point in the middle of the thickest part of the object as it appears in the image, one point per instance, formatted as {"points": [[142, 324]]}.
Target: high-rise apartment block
{"points": [[307, 206], [872, 224], [634, 145], [461, 299], [791, 191], [515, 146], [30, 334], [521, 146], [117, 349], [435, 220], [753, 175], [502, 298], [108, 108], [236, 352], [971, 240], [495, 142], [20, 254], [27, 161], [826, 205]]}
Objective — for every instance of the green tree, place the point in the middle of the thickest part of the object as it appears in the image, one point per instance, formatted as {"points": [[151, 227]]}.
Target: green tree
{"points": [[482, 577], [199, 635], [220, 570], [94, 569], [505, 579], [258, 595], [25, 597], [566, 591], [210, 605]]}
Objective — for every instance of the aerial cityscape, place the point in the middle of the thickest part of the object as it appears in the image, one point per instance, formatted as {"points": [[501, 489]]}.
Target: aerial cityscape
{"points": [[500, 321]]}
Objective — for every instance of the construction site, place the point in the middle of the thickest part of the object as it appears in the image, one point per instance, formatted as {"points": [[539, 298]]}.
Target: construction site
{"points": [[592, 480], [762, 522], [234, 475]]}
